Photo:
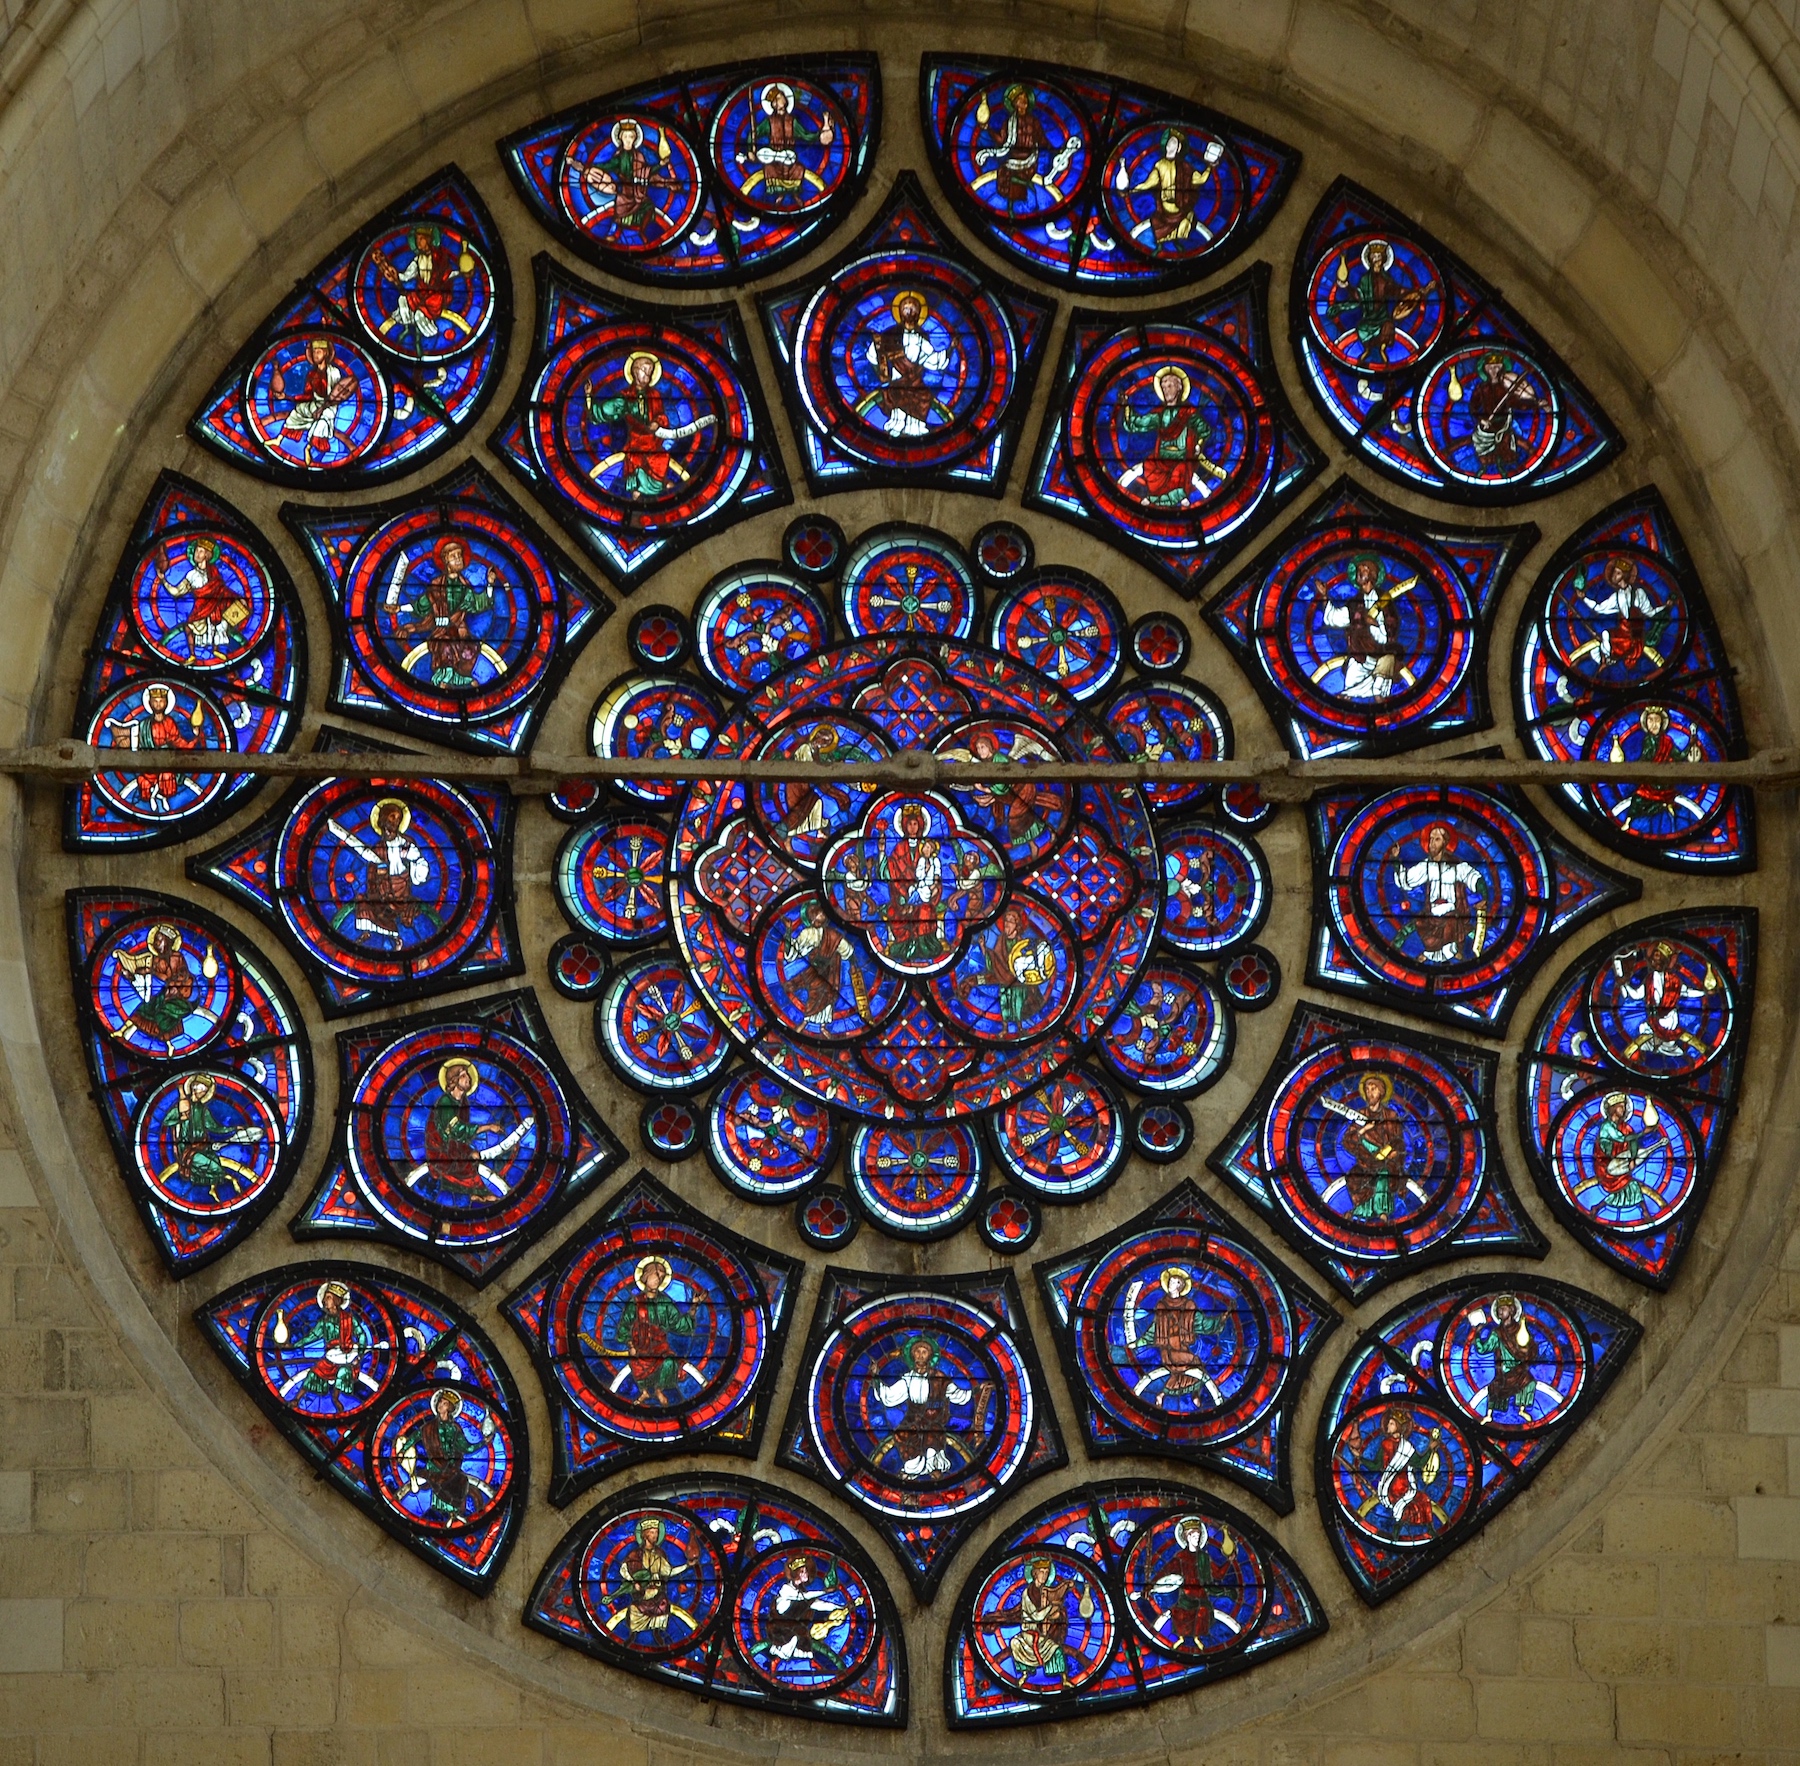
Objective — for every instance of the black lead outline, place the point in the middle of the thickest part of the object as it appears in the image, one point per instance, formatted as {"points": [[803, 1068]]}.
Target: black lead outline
{"points": [[468, 483], [1088, 330], [146, 536], [844, 1290], [367, 996], [1345, 1027], [1646, 501], [364, 1044], [1533, 1054]]}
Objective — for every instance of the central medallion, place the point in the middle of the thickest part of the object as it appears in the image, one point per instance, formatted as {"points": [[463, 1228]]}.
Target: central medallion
{"points": [[913, 953]]}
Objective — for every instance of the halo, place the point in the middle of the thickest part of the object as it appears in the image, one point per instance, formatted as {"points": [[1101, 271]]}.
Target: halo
{"points": [[451, 1392], [1381, 1079], [1450, 841], [1615, 1097], [192, 1082], [784, 89], [156, 687], [636, 356], [451, 1065], [912, 1342], [661, 1262], [1180, 374], [332, 1287], [642, 134], [1186, 1527], [381, 803], [1381, 246], [914, 295], [1174, 1273]]}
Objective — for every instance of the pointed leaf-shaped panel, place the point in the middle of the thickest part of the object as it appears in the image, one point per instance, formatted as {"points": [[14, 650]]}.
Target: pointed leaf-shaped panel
{"points": [[199, 646], [1374, 1152], [641, 431], [712, 178], [655, 1332], [922, 1402], [383, 889], [1117, 1595], [1444, 899], [905, 362], [1629, 1082], [1364, 630], [395, 1397], [1425, 370], [1168, 433], [1181, 1337], [1099, 183], [454, 616], [733, 1590], [199, 1062], [1446, 1410], [1619, 659], [463, 1137], [382, 356]]}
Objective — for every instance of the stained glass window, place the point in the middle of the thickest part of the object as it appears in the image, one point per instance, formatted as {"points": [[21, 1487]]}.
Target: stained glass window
{"points": [[461, 1137], [383, 889], [921, 1402], [1425, 370], [655, 1332], [1447, 1409], [381, 358], [1630, 1081], [1619, 659], [1180, 1338], [639, 431], [200, 1065], [913, 904], [729, 1588], [1107, 185], [1168, 433], [200, 647], [1443, 899], [905, 362], [1115, 1595], [719, 176], [395, 1396], [1375, 1152], [454, 617], [1364, 630]]}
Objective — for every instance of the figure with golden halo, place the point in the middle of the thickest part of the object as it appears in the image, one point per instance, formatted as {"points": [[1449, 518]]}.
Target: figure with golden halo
{"points": [[904, 356], [453, 1161], [622, 181], [395, 867], [1021, 149], [1178, 471], [1176, 181], [781, 131], [646, 456], [645, 1331], [158, 726], [1376, 1145]]}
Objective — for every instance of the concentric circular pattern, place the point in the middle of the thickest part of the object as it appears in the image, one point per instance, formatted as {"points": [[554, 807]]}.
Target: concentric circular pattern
{"points": [[946, 998]]}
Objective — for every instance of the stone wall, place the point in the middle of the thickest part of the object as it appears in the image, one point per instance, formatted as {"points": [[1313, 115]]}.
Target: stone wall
{"points": [[160, 1602]]}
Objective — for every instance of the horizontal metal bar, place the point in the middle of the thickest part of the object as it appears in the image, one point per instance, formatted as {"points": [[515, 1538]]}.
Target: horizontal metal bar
{"points": [[1279, 777]]}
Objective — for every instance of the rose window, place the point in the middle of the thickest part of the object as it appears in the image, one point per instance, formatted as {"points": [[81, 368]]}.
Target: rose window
{"points": [[917, 894]]}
